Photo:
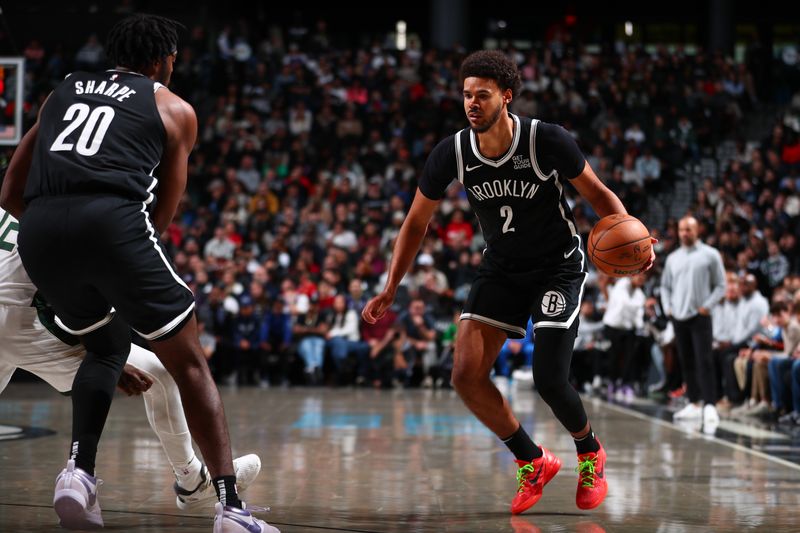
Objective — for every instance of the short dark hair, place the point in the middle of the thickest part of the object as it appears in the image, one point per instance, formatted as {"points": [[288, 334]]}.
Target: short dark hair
{"points": [[141, 40], [778, 307], [495, 65]]}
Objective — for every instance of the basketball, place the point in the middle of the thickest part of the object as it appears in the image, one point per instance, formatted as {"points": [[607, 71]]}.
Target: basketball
{"points": [[619, 245]]}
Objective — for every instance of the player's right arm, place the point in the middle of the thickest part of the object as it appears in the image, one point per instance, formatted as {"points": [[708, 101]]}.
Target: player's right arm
{"points": [[180, 122], [17, 174], [440, 169], [409, 239], [11, 194]]}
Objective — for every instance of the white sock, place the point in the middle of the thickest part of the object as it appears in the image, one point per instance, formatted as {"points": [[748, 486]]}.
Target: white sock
{"points": [[188, 474]]}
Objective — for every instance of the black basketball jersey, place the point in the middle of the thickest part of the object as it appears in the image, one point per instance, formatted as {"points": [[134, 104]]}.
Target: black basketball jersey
{"points": [[99, 133], [519, 198]]}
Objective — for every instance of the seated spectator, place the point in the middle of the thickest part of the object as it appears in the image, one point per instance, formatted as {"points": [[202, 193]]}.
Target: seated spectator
{"points": [[516, 357], [276, 338], [624, 315], [649, 167], [247, 326], [309, 330], [344, 341], [91, 55], [385, 345], [784, 369], [754, 309], [775, 267], [724, 322], [752, 363], [590, 350], [459, 229], [419, 351], [663, 352], [427, 275], [220, 247]]}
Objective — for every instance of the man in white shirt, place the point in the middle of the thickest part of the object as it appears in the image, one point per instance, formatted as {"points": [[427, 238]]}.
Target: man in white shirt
{"points": [[725, 317], [693, 281], [624, 315], [754, 309]]}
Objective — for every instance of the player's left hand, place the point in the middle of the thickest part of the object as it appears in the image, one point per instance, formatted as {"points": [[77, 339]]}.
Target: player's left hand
{"points": [[133, 381], [647, 266]]}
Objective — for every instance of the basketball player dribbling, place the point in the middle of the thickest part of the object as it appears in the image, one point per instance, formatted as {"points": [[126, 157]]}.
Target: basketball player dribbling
{"points": [[513, 170], [81, 183]]}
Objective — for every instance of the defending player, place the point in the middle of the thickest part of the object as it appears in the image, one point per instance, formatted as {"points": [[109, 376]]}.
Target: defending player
{"points": [[81, 183], [32, 342]]}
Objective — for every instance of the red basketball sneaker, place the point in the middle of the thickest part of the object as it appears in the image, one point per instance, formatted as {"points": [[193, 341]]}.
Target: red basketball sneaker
{"points": [[592, 485], [531, 479]]}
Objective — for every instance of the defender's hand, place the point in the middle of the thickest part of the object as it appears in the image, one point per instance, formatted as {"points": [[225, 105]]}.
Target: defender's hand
{"points": [[377, 307], [133, 381]]}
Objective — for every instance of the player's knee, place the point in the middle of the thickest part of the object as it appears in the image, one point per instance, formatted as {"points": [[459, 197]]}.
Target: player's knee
{"points": [[187, 371], [549, 393], [112, 339]]}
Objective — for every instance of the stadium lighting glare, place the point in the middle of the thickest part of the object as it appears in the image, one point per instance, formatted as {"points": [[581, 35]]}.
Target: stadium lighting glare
{"points": [[628, 28], [401, 40]]}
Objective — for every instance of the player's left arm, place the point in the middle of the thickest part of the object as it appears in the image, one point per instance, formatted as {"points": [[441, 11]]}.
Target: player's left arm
{"points": [[556, 149], [603, 201], [180, 122], [562, 152]]}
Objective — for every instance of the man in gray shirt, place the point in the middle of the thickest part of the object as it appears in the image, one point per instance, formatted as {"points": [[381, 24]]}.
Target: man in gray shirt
{"points": [[693, 282]]}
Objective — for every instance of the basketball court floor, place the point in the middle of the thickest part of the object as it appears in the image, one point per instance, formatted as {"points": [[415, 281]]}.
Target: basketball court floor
{"points": [[343, 460]]}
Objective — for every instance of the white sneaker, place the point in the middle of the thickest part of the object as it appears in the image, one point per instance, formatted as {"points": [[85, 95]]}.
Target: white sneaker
{"points": [[710, 415], [235, 520], [691, 411], [75, 499], [759, 409], [741, 410], [246, 469], [655, 386]]}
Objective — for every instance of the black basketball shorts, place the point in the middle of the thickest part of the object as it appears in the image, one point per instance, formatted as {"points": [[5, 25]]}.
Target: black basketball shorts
{"points": [[95, 255], [505, 294]]}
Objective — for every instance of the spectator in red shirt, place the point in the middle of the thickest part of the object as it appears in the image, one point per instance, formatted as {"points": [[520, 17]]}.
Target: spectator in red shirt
{"points": [[457, 230]]}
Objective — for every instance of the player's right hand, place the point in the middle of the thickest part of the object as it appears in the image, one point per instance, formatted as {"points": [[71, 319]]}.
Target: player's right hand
{"points": [[377, 307]]}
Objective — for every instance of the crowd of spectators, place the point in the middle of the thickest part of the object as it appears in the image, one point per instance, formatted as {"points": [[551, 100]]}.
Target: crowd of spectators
{"points": [[307, 159]]}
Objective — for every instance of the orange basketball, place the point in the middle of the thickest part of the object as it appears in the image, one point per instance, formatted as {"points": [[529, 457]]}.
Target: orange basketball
{"points": [[619, 245]]}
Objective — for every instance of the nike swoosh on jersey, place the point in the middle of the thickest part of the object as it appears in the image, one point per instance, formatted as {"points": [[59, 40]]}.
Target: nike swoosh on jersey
{"points": [[567, 254], [469, 168]]}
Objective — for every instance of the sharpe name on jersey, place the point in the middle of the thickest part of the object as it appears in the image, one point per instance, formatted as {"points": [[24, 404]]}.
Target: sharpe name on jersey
{"points": [[113, 90]]}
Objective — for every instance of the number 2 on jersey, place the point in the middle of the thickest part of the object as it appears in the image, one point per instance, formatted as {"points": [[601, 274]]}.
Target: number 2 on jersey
{"points": [[508, 214], [92, 131]]}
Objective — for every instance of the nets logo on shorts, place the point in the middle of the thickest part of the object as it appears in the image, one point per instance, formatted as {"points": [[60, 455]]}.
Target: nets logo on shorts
{"points": [[553, 303]]}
